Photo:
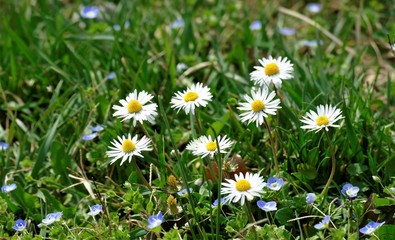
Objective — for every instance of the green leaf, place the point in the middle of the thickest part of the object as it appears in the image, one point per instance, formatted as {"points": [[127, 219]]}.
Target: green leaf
{"points": [[307, 171], [356, 169], [283, 215]]}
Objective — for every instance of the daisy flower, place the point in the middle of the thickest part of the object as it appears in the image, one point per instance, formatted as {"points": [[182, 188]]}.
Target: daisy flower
{"points": [[195, 96], [272, 70], [205, 146], [127, 147], [136, 106], [244, 186], [259, 106], [325, 117]]}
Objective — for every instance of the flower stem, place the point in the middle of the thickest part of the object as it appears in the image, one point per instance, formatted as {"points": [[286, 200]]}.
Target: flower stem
{"points": [[198, 123], [140, 174], [333, 166], [248, 211], [149, 136], [273, 145]]}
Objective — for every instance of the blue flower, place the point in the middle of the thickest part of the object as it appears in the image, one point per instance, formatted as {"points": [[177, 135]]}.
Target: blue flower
{"points": [[20, 225], [90, 12], [312, 43], [181, 67], [177, 24], [274, 183], [215, 203], [323, 224], [267, 206], [95, 209], [89, 137], [8, 188], [112, 75], [350, 191], [3, 145], [117, 27], [313, 7], [184, 191], [97, 128], [370, 227], [287, 31], [51, 218], [155, 221], [310, 198], [256, 25]]}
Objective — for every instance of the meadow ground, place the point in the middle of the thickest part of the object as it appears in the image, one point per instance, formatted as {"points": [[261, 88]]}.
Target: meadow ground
{"points": [[130, 119]]}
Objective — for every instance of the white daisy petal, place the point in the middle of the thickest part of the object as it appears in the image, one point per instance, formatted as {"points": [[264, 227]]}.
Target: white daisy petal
{"points": [[126, 148], [195, 96], [135, 107], [206, 146], [272, 70], [259, 106], [325, 117], [243, 187]]}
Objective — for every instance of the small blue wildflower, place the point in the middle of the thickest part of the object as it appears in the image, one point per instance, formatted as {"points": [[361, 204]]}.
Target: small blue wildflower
{"points": [[117, 27], [267, 206], [311, 43], [179, 23], [198, 182], [90, 12], [155, 221], [370, 227], [112, 75], [256, 25], [95, 209], [51, 218], [215, 203], [3, 145], [20, 225], [313, 7], [310, 198], [287, 31], [392, 189], [97, 128], [274, 183], [89, 137], [350, 191], [8, 188], [323, 224], [184, 191], [181, 67]]}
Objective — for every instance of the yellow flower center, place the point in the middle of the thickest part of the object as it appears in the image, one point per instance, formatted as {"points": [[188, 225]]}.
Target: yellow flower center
{"points": [[128, 146], [322, 120], [134, 106], [243, 185], [257, 105], [211, 146], [271, 69], [190, 96], [172, 181]]}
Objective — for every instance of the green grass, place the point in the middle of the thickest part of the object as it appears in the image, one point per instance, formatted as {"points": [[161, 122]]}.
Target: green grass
{"points": [[53, 87]]}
